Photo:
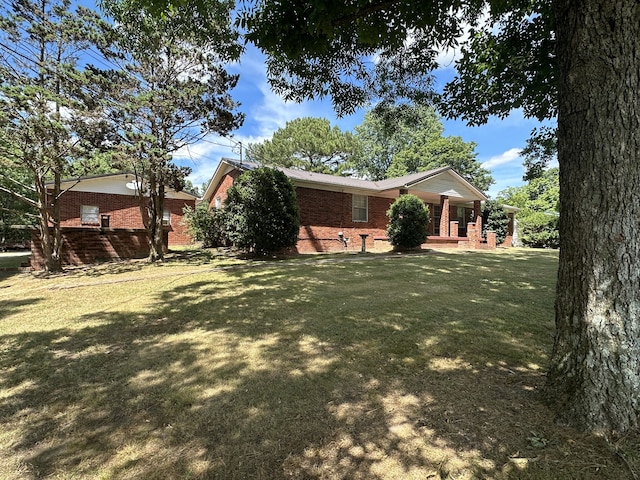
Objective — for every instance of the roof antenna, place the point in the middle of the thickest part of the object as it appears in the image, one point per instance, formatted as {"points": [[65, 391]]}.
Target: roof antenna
{"points": [[237, 148]]}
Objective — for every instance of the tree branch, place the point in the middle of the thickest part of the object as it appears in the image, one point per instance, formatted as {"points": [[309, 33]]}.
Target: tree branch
{"points": [[19, 197], [11, 210], [16, 182]]}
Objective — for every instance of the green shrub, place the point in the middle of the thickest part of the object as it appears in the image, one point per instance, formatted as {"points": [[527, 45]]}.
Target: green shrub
{"points": [[205, 225], [261, 212], [539, 230], [495, 218], [408, 221]]}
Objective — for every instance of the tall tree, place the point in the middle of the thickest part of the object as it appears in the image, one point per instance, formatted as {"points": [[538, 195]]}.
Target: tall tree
{"points": [[307, 144], [574, 58], [42, 111], [171, 92], [403, 139]]}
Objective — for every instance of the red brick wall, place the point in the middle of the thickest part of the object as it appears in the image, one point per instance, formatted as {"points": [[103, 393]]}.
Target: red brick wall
{"points": [[223, 186], [178, 233], [123, 211], [82, 245], [323, 214]]}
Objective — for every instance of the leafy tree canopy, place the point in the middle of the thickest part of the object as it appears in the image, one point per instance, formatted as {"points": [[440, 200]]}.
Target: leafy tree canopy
{"points": [[307, 144], [404, 139], [45, 118], [172, 90], [329, 46]]}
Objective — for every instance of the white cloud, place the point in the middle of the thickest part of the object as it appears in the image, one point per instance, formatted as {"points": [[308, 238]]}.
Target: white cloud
{"points": [[272, 112], [509, 156]]}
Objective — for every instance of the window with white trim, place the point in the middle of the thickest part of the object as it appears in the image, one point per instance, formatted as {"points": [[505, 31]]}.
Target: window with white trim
{"points": [[218, 203], [89, 215], [360, 208], [166, 217]]}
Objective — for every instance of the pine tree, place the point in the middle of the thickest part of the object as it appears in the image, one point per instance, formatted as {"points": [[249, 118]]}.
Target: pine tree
{"points": [[171, 92], [42, 94], [307, 144]]}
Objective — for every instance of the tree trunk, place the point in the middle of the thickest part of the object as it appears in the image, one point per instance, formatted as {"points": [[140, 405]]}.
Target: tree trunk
{"points": [[56, 249], [594, 377], [156, 254], [50, 246], [153, 206]]}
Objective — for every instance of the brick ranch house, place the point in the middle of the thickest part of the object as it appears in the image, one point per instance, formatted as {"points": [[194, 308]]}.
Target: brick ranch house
{"points": [[101, 220], [335, 211]]}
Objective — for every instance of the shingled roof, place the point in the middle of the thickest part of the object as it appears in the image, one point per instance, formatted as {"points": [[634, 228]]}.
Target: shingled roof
{"points": [[326, 180]]}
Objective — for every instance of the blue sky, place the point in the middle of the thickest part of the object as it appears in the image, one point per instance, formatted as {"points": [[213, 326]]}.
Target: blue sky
{"points": [[498, 142]]}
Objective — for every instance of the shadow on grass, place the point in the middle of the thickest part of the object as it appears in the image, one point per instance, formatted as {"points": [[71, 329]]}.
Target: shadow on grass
{"points": [[423, 367], [10, 307]]}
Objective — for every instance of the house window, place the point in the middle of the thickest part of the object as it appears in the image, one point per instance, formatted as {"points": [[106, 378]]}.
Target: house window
{"points": [[465, 215], [166, 217], [218, 203], [360, 210], [437, 213], [89, 214], [462, 218]]}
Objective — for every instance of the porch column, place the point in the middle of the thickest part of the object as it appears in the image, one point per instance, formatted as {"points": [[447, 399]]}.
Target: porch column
{"points": [[444, 216], [453, 228], [508, 241], [477, 215], [474, 236]]}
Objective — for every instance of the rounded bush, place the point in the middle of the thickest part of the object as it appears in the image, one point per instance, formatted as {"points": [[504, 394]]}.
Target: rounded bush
{"points": [[408, 222], [261, 212], [539, 230]]}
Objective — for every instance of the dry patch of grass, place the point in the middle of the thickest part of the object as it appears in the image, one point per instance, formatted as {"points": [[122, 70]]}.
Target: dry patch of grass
{"points": [[424, 366]]}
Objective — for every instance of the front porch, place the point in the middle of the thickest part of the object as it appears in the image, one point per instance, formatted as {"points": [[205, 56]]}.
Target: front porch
{"points": [[455, 224], [474, 240]]}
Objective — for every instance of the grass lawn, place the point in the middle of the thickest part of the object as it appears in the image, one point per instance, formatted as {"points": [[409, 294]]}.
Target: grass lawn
{"points": [[351, 367]]}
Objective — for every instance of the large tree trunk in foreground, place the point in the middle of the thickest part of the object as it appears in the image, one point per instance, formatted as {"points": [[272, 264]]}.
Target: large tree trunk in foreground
{"points": [[595, 367]]}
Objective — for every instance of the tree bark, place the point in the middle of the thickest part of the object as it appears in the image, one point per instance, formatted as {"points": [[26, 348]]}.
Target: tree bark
{"points": [[51, 244], [152, 208], [156, 253], [594, 376]]}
